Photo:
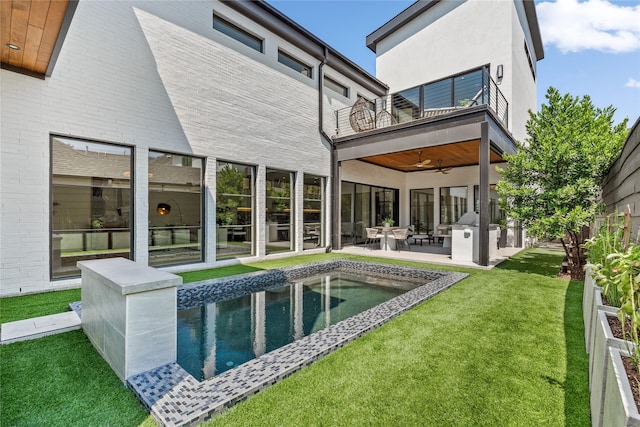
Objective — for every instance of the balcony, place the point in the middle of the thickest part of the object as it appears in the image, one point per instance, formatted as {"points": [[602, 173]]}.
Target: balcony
{"points": [[428, 101]]}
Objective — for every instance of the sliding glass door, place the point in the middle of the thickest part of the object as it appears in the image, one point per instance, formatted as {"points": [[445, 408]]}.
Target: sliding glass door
{"points": [[363, 206], [422, 210]]}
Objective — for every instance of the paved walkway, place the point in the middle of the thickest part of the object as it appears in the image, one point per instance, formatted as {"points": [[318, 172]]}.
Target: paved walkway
{"points": [[37, 327]]}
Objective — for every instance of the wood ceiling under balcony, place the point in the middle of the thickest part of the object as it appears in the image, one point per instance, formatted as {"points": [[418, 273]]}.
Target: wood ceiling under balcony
{"points": [[34, 26], [452, 155]]}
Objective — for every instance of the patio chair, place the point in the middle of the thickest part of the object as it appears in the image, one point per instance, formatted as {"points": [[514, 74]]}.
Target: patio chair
{"points": [[361, 118], [441, 232], [372, 237], [401, 237]]}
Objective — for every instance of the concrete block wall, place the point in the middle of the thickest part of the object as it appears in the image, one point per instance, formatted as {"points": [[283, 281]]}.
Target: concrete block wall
{"points": [[121, 300], [154, 75]]}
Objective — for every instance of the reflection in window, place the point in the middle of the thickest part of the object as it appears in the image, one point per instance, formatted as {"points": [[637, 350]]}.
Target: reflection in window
{"points": [[294, 64], [453, 204], [279, 216], [336, 87], [175, 209], [237, 33], [90, 205], [234, 210], [422, 210], [405, 105], [313, 211], [347, 220], [496, 215], [364, 206]]}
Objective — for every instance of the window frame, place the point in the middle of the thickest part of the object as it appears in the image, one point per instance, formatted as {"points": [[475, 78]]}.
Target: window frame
{"points": [[251, 185], [186, 161], [528, 54], [237, 33], [464, 207], [290, 61], [345, 89], [52, 204]]}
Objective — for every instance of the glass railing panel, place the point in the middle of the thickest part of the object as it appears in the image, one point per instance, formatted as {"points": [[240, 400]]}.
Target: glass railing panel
{"points": [[405, 105], [469, 90], [437, 95], [430, 100]]}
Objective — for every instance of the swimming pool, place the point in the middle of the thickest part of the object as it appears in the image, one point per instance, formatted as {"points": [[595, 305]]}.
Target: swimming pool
{"points": [[219, 336], [174, 397]]}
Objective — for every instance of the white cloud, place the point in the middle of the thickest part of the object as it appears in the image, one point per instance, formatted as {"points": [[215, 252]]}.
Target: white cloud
{"points": [[574, 26], [633, 83]]}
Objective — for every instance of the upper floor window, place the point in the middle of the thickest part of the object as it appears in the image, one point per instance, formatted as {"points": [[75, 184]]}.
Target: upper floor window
{"points": [[336, 87], [526, 51], [237, 33], [294, 64]]}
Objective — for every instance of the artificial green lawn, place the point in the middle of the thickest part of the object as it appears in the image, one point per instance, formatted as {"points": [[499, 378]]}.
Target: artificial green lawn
{"points": [[502, 347], [36, 305]]}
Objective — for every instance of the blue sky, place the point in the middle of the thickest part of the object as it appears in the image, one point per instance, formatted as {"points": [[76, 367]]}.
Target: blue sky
{"points": [[592, 47]]}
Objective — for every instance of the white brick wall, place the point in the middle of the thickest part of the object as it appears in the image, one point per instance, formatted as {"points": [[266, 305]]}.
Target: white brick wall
{"points": [[152, 75]]}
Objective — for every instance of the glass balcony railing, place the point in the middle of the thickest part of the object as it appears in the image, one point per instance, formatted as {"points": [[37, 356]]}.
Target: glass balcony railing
{"points": [[429, 100]]}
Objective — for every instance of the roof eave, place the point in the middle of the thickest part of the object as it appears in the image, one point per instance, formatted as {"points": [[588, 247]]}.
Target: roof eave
{"points": [[534, 28], [272, 19], [398, 21]]}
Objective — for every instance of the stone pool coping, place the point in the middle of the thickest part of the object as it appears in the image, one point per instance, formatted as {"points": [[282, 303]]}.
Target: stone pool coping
{"points": [[175, 398]]}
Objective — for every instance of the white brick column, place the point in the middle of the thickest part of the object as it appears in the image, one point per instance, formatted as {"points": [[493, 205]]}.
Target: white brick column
{"points": [[208, 231], [260, 216], [298, 223], [141, 206]]}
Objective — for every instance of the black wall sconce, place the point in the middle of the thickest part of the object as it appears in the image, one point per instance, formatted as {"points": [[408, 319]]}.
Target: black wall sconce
{"points": [[499, 73]]}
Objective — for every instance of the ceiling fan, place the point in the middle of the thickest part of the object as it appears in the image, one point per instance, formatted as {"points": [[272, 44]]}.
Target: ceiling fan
{"points": [[441, 169], [422, 164]]}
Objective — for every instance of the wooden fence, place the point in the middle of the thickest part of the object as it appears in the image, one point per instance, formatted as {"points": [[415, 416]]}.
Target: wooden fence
{"points": [[621, 186]]}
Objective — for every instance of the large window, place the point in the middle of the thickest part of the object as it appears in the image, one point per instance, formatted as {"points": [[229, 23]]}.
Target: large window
{"points": [[234, 210], [237, 33], [175, 209], [422, 210], [453, 204], [90, 203], [313, 211], [279, 203], [364, 206]]}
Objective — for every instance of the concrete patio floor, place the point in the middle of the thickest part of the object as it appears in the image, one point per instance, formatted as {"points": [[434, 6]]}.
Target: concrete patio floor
{"points": [[428, 253]]}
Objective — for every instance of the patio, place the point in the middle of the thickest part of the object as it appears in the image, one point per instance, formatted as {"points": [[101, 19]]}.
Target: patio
{"points": [[429, 253]]}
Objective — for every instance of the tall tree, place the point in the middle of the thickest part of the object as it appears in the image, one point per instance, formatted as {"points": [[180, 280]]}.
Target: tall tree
{"points": [[552, 183]]}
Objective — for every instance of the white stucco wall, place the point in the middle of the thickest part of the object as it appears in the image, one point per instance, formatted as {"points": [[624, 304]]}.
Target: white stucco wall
{"points": [[154, 75], [457, 36]]}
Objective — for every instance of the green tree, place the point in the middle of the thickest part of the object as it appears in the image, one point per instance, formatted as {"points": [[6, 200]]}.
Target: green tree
{"points": [[229, 184], [552, 183]]}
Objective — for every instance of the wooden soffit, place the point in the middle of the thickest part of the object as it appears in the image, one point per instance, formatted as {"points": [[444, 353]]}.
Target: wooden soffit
{"points": [[37, 28], [441, 156]]}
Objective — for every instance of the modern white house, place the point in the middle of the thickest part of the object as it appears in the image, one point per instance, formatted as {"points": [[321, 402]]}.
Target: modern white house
{"points": [[196, 134]]}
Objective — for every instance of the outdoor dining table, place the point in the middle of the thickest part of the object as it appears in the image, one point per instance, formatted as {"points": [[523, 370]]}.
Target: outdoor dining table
{"points": [[387, 244]]}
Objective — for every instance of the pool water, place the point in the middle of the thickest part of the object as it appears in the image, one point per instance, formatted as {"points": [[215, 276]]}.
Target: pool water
{"points": [[219, 336]]}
